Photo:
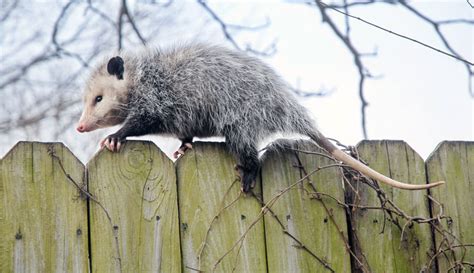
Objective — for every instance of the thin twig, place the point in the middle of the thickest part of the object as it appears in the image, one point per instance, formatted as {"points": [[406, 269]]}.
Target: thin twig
{"points": [[357, 61], [126, 12], [455, 56], [270, 50], [83, 190]]}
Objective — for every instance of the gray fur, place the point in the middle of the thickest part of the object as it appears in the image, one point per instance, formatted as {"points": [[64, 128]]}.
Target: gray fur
{"points": [[201, 90], [207, 90]]}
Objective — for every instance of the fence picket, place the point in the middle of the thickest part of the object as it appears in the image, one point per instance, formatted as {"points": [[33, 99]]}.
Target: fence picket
{"points": [[215, 215], [453, 162], [317, 232], [381, 244], [147, 214], [43, 219], [136, 188]]}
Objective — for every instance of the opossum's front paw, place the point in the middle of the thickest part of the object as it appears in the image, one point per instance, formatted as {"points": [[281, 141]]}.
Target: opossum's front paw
{"points": [[182, 149], [112, 142]]}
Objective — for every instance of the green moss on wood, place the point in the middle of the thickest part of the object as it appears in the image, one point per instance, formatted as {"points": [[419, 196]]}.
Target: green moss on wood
{"points": [[137, 188], [381, 241], [453, 162], [318, 222], [215, 215], [137, 227], [43, 219]]}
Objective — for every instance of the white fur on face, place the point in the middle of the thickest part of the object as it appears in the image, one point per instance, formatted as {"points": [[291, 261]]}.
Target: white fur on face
{"points": [[111, 110]]}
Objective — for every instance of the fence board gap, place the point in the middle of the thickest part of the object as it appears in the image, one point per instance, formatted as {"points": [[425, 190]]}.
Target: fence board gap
{"points": [[135, 226]]}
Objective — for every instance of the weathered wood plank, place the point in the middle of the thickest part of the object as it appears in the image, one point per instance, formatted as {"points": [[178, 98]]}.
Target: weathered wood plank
{"points": [[43, 221], [381, 239], [137, 188], [214, 215], [303, 215], [453, 162]]}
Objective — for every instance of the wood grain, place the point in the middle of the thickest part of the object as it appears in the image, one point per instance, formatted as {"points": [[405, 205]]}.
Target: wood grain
{"points": [[381, 240], [43, 219], [453, 162], [215, 215], [137, 189], [319, 224]]}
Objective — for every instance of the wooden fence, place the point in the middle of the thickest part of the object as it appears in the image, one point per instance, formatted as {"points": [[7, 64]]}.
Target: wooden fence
{"points": [[136, 211]]}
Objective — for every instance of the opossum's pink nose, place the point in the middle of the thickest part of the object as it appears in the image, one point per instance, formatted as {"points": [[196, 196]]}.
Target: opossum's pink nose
{"points": [[81, 128]]}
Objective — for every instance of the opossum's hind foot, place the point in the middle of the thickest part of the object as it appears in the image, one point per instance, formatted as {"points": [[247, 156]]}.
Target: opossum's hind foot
{"points": [[112, 142], [246, 155], [248, 178], [186, 144], [182, 150]]}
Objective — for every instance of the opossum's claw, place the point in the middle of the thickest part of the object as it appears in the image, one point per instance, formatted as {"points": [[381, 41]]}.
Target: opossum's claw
{"points": [[182, 149], [112, 145], [102, 143], [112, 142], [247, 182], [177, 154]]}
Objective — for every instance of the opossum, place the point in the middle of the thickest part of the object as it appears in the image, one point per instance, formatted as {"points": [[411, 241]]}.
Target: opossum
{"points": [[200, 90]]}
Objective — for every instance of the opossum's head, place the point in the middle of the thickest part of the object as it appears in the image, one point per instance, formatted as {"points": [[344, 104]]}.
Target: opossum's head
{"points": [[105, 97]]}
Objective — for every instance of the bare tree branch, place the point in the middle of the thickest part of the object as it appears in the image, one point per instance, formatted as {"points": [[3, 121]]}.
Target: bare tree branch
{"points": [[346, 18], [101, 14], [469, 2], [126, 12], [120, 27], [454, 54], [252, 28], [162, 4], [45, 56], [456, 21], [224, 27], [8, 10], [268, 51], [33, 38], [363, 72], [54, 36], [28, 73], [271, 49], [344, 4], [58, 22], [77, 39], [322, 92], [360, 3], [357, 61]]}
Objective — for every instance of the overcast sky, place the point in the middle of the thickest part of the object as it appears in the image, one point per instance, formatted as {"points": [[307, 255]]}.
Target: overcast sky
{"points": [[421, 96]]}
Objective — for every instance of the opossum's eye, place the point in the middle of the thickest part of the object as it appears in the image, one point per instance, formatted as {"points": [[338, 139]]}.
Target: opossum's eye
{"points": [[115, 67], [98, 99]]}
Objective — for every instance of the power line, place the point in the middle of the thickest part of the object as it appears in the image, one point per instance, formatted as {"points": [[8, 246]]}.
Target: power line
{"points": [[397, 34]]}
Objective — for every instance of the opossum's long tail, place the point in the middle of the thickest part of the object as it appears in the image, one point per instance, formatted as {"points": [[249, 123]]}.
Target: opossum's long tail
{"points": [[357, 165]]}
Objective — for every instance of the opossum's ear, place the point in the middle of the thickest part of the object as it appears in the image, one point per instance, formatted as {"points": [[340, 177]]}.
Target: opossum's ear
{"points": [[115, 67]]}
